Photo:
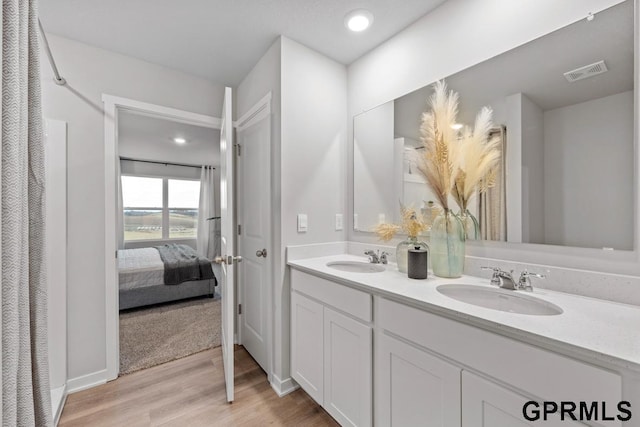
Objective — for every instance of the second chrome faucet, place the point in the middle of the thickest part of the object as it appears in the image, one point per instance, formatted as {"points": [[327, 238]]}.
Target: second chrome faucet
{"points": [[505, 280]]}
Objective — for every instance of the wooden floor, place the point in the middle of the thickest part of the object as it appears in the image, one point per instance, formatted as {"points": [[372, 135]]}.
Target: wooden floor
{"points": [[191, 392]]}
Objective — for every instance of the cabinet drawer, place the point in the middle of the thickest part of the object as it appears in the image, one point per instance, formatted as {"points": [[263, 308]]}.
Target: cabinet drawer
{"points": [[528, 368], [354, 302]]}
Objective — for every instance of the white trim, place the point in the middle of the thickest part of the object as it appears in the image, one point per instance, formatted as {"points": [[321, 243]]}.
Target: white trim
{"points": [[58, 399], [153, 110], [283, 387], [256, 113], [84, 382], [112, 105]]}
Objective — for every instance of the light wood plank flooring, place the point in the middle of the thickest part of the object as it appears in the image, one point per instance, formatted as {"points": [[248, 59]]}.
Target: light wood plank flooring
{"points": [[191, 392]]}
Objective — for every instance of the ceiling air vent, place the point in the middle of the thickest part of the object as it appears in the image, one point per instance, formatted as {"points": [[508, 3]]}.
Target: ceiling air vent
{"points": [[586, 71]]}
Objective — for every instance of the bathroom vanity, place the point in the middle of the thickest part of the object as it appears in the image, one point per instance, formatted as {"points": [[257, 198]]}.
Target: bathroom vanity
{"points": [[374, 347]]}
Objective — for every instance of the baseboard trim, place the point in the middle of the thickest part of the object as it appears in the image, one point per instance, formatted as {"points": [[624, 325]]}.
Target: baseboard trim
{"points": [[58, 398], [84, 382], [283, 387]]}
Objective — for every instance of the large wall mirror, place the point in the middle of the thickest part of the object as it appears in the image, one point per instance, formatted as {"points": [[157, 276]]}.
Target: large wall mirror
{"points": [[564, 108]]}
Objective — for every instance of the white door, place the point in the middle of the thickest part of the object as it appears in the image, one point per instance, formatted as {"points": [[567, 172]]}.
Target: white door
{"points": [[413, 387], [486, 404], [254, 221], [227, 246], [307, 343], [347, 369]]}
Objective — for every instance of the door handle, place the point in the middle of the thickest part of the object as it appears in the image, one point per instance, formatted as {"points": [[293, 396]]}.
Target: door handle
{"points": [[262, 253], [229, 260]]}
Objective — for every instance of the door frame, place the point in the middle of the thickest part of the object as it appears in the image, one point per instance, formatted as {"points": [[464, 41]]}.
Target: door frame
{"points": [[260, 111], [112, 106]]}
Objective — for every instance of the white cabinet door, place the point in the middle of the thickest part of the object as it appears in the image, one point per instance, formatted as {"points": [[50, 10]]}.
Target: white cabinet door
{"points": [[307, 344], [414, 388], [347, 369], [486, 404]]}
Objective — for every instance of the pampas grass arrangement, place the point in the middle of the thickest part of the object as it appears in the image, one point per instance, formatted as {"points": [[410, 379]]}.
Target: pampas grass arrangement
{"points": [[479, 158], [440, 162], [452, 164]]}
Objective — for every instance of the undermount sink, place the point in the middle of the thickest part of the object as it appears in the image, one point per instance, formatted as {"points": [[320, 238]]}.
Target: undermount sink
{"points": [[356, 266], [499, 299]]}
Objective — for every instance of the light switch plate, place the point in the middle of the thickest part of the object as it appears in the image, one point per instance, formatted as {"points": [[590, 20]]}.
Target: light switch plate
{"points": [[339, 221], [355, 222], [302, 223], [382, 218]]}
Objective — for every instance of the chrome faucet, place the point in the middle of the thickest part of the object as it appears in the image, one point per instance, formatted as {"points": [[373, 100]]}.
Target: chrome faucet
{"points": [[525, 282], [375, 257], [504, 279]]}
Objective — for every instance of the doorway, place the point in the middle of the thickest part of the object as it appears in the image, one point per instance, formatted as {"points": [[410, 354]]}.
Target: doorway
{"points": [[168, 199], [114, 109]]}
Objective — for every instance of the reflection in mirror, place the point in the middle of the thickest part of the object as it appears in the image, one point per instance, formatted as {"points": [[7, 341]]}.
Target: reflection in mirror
{"points": [[563, 106]]}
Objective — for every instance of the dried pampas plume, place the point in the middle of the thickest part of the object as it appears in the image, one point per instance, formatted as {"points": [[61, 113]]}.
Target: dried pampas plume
{"points": [[412, 224], [440, 163], [386, 231], [479, 157]]}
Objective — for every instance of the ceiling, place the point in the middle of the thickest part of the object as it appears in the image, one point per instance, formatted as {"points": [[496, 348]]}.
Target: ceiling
{"points": [[149, 138], [221, 40], [536, 70]]}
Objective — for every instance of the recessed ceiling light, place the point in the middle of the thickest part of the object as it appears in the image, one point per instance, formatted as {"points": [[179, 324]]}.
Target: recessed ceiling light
{"points": [[358, 20], [457, 126], [179, 140]]}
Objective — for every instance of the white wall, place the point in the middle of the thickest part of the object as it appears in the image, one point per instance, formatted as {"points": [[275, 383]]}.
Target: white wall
{"points": [[431, 49], [90, 72], [307, 158], [313, 169], [590, 136], [265, 77], [375, 166]]}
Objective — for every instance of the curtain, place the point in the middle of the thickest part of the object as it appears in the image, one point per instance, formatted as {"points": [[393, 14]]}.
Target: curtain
{"points": [[119, 208], [25, 374], [492, 207], [206, 244]]}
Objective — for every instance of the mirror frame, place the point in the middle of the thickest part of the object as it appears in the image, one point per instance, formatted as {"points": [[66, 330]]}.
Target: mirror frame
{"points": [[590, 259]]}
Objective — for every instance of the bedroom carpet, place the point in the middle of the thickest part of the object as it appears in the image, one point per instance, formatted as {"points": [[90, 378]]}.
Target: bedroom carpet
{"points": [[156, 335]]}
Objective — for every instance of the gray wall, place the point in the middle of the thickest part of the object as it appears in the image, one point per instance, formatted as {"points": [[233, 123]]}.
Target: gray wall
{"points": [[90, 72], [374, 166], [533, 172], [590, 136]]}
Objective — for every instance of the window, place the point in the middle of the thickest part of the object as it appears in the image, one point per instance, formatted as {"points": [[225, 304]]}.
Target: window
{"points": [[183, 208], [160, 208]]}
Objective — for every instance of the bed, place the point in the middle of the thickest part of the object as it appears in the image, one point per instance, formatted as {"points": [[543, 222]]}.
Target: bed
{"points": [[143, 275]]}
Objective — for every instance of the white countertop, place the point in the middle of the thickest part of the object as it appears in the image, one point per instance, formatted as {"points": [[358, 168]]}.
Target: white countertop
{"points": [[591, 329]]}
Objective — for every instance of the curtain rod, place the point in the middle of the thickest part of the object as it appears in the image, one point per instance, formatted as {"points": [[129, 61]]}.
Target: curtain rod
{"points": [[165, 163], [60, 81]]}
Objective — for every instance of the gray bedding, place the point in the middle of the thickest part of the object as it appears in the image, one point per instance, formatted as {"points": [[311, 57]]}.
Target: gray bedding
{"points": [[182, 264], [141, 276]]}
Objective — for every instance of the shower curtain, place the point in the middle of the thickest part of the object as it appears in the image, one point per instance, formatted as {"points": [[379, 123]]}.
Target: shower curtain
{"points": [[492, 208], [206, 244], [25, 374]]}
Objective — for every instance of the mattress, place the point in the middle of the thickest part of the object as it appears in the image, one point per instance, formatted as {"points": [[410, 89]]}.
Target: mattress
{"points": [[139, 268]]}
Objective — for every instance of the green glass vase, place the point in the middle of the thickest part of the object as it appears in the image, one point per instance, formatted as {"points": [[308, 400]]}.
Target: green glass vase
{"points": [[447, 245], [470, 225]]}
